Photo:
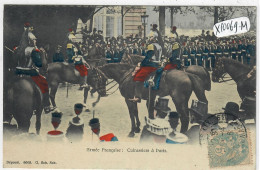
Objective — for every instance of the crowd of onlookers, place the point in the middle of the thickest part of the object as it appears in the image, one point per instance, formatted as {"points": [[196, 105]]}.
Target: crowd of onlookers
{"points": [[198, 50]]}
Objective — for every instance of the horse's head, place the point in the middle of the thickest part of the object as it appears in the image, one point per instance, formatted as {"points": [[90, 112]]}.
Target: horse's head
{"points": [[218, 71], [98, 81]]}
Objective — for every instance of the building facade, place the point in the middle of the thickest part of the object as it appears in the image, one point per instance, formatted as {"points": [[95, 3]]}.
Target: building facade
{"points": [[109, 20]]}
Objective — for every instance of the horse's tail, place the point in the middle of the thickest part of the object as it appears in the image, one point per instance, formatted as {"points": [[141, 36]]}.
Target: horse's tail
{"points": [[198, 87], [8, 104], [207, 82]]}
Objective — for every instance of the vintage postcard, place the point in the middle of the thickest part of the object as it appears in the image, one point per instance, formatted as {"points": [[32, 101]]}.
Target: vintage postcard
{"points": [[120, 86]]}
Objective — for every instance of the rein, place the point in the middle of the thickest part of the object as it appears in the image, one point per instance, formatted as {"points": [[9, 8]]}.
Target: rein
{"points": [[131, 60], [239, 77], [122, 81]]}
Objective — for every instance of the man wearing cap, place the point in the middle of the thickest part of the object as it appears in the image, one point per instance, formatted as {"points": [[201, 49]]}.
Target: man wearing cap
{"points": [[176, 48], [58, 56], [193, 51], [207, 37], [185, 55], [174, 31], [109, 54]]}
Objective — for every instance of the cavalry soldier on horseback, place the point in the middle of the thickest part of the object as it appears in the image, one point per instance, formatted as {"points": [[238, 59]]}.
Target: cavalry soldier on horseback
{"points": [[32, 62], [80, 66], [70, 52], [148, 65], [27, 40]]}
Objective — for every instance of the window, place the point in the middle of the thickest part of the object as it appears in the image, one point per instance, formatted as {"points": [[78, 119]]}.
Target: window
{"points": [[110, 26]]}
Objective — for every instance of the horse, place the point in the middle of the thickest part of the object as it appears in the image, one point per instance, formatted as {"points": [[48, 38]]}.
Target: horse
{"points": [[238, 73], [178, 84], [22, 98], [64, 72]]}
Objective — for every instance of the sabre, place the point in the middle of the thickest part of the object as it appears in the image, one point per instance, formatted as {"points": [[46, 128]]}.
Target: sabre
{"points": [[9, 49]]}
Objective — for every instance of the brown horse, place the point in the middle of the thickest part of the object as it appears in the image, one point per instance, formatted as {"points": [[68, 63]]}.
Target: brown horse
{"points": [[238, 72], [64, 72], [22, 97], [178, 84]]}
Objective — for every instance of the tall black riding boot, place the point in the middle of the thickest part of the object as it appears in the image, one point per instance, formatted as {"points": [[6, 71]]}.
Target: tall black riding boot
{"points": [[46, 103], [138, 92], [174, 121]]}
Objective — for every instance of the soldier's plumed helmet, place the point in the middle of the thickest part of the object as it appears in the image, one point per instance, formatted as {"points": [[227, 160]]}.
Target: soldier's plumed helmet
{"points": [[174, 28], [27, 25], [155, 26]]}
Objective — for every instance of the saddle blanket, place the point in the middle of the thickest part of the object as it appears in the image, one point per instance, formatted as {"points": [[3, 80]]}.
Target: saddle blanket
{"points": [[82, 69], [41, 83], [142, 74]]}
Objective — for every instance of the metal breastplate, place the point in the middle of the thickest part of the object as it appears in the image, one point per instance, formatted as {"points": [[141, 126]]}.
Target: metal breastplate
{"points": [[158, 53]]}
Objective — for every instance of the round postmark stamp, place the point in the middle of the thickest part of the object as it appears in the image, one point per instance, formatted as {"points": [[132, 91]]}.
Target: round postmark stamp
{"points": [[226, 139]]}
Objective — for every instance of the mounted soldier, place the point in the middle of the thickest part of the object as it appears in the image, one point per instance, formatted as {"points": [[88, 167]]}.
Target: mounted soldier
{"points": [[82, 69], [151, 63], [32, 61], [148, 65]]}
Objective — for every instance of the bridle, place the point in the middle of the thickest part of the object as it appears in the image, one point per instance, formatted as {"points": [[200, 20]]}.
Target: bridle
{"points": [[221, 74]]}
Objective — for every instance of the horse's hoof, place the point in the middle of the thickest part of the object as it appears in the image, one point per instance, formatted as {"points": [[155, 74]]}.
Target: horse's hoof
{"points": [[87, 110], [137, 130], [131, 134]]}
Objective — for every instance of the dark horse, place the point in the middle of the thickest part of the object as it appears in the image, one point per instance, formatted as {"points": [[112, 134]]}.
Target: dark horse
{"points": [[64, 72], [96, 56], [178, 84], [238, 72], [23, 97]]}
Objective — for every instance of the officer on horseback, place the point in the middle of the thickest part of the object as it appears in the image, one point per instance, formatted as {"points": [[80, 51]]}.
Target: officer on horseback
{"points": [[32, 62], [151, 62], [80, 66]]}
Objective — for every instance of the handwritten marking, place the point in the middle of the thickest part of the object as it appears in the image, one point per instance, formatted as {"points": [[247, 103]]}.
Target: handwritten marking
{"points": [[232, 27]]}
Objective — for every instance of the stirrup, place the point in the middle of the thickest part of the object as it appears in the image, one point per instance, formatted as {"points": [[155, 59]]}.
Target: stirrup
{"points": [[49, 109], [84, 86], [135, 99]]}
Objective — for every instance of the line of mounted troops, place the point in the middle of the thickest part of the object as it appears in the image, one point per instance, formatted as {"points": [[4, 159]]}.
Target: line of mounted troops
{"points": [[201, 50]]}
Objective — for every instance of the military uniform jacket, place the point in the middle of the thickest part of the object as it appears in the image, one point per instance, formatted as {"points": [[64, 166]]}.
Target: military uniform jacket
{"points": [[148, 61]]}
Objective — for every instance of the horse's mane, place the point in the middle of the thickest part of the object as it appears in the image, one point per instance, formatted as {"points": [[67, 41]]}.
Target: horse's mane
{"points": [[236, 63], [133, 57]]}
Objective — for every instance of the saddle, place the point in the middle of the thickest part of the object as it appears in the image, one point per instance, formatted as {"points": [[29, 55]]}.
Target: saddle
{"points": [[154, 78]]}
